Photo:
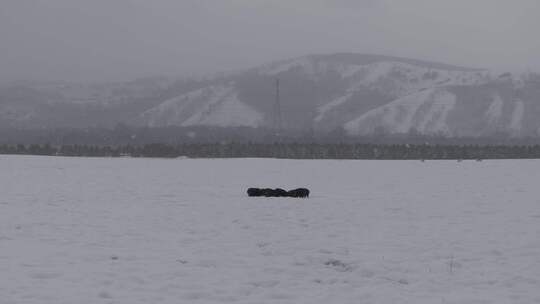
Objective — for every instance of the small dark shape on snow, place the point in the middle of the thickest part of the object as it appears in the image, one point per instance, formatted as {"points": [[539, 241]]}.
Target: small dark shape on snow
{"points": [[339, 265], [278, 192], [300, 192], [254, 192], [268, 192]]}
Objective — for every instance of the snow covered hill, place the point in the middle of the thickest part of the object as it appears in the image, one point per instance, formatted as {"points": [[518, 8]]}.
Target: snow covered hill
{"points": [[425, 111], [359, 94], [212, 106], [366, 94]]}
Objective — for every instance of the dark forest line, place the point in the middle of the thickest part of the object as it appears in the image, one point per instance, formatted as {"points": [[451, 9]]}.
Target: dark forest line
{"points": [[124, 135], [285, 151]]}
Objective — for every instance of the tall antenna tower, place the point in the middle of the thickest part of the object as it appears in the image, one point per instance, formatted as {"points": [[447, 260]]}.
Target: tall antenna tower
{"points": [[277, 111]]}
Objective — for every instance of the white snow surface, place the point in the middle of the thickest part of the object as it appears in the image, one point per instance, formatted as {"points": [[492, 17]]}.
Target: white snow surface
{"points": [[231, 112], [434, 120], [426, 111], [495, 109], [211, 106], [76, 230], [322, 110]]}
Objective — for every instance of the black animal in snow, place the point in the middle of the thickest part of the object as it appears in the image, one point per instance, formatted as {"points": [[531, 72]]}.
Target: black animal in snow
{"points": [[278, 192], [299, 193], [254, 192]]}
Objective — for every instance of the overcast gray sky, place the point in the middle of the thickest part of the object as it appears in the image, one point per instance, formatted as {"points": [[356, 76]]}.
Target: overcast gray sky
{"points": [[122, 39]]}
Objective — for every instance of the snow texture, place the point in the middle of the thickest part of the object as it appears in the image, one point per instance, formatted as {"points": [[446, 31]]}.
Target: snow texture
{"points": [[76, 230], [495, 110], [231, 112], [322, 110], [434, 120], [396, 116], [211, 106]]}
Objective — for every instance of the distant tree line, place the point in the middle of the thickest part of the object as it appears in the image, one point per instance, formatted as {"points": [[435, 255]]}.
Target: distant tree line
{"points": [[285, 150], [173, 135]]}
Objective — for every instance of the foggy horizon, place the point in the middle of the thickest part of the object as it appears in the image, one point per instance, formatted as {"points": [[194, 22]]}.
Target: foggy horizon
{"points": [[75, 40], [269, 151]]}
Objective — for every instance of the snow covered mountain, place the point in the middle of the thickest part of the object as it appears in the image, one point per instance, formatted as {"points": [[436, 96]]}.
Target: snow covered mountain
{"points": [[365, 94], [358, 94], [211, 106]]}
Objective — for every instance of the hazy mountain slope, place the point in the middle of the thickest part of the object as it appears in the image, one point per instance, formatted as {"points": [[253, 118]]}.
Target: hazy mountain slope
{"points": [[211, 106], [63, 104], [425, 112], [368, 93], [322, 92], [360, 94]]}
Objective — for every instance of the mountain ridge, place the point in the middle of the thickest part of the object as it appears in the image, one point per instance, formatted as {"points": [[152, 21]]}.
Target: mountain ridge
{"points": [[359, 94]]}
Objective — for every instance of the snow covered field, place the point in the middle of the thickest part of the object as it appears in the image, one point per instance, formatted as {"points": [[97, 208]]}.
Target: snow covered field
{"points": [[76, 230]]}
